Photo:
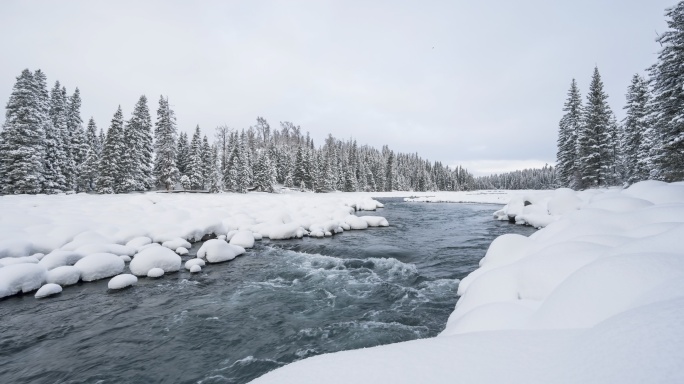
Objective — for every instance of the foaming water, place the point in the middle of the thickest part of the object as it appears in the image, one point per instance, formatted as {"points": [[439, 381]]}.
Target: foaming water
{"points": [[281, 302]]}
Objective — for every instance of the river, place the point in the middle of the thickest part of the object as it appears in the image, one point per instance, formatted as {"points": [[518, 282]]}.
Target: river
{"points": [[280, 302]]}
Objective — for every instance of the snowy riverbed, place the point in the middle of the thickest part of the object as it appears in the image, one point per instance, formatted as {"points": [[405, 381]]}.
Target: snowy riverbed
{"points": [[596, 296]]}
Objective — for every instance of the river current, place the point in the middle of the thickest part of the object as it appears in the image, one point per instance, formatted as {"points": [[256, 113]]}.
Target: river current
{"points": [[280, 302]]}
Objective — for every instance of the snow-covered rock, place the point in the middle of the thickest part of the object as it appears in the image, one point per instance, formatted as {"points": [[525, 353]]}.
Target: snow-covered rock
{"points": [[155, 272], [99, 266], [122, 281], [24, 277], [195, 261], [243, 238], [138, 242], [60, 258], [155, 257], [116, 249], [48, 290], [182, 251], [217, 251], [64, 275], [375, 221], [125, 258], [356, 222], [195, 268], [18, 260], [176, 243]]}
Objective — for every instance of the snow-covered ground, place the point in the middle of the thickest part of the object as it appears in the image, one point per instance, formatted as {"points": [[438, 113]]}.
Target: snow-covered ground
{"points": [[66, 238], [597, 296]]}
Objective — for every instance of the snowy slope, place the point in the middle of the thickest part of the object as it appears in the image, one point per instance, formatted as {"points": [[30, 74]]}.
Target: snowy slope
{"points": [[597, 296]]}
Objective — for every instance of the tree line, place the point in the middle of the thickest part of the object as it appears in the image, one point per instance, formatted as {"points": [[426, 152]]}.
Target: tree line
{"points": [[595, 150]]}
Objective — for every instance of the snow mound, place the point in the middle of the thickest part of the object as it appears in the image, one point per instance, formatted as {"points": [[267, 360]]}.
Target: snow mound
{"points": [[116, 249], [176, 243], [182, 251], [138, 242], [283, 231], [125, 258], [217, 251], [375, 221], [48, 290], [356, 222], [122, 281], [155, 272], [244, 239], [155, 257], [25, 277], [99, 266], [64, 275], [191, 262], [60, 258], [195, 268]]}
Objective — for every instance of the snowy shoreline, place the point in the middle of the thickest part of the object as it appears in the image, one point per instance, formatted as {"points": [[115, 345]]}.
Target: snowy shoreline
{"points": [[63, 239], [595, 296]]}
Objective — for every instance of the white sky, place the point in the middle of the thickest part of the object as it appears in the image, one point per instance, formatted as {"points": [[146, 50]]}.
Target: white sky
{"points": [[478, 83]]}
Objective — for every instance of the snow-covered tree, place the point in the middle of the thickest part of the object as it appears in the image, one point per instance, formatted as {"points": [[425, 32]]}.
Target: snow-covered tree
{"points": [[195, 165], [56, 161], [594, 139], [76, 137], [667, 78], [166, 173], [207, 164], [570, 124], [22, 136], [216, 179], [183, 153], [634, 127], [110, 167]]}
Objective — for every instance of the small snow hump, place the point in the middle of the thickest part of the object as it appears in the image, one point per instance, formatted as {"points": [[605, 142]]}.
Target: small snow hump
{"points": [[48, 290], [122, 281], [195, 268], [155, 272]]}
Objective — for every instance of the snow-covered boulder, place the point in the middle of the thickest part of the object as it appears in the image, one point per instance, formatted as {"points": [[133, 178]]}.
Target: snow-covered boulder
{"points": [[64, 275], [244, 239], [217, 251], [99, 266], [182, 251], [195, 268], [356, 222], [375, 221], [283, 231], [122, 281], [155, 257], [138, 242], [155, 272], [48, 290], [60, 258], [125, 258], [176, 243], [116, 249], [25, 277], [195, 261]]}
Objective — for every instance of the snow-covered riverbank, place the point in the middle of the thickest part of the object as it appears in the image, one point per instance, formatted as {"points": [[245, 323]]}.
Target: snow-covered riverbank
{"points": [[597, 296], [67, 238]]}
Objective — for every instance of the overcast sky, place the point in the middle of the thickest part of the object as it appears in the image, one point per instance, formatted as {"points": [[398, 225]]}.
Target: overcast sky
{"points": [[477, 83]]}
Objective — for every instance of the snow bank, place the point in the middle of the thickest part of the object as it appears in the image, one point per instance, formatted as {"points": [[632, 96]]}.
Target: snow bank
{"points": [[218, 251], [25, 277], [155, 257], [596, 296], [122, 281], [48, 290], [99, 266], [69, 228]]}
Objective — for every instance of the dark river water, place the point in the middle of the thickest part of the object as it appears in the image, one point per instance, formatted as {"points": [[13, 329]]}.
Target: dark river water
{"points": [[280, 302]]}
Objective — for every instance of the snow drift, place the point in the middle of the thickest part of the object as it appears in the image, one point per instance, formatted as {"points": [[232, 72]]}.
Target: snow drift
{"points": [[596, 296]]}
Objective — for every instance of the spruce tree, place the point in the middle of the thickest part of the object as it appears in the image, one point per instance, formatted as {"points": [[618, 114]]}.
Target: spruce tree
{"points": [[216, 179], [195, 166], [166, 173], [570, 124], [76, 136], [109, 170], [594, 139], [22, 136], [141, 133], [183, 153], [634, 128], [667, 79], [55, 156], [207, 165]]}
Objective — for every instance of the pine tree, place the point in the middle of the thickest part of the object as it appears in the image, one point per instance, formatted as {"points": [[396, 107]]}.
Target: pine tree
{"points": [[207, 165], [22, 136], [141, 125], [55, 156], [109, 169], [76, 136], [594, 139], [165, 169], [570, 124], [391, 173], [635, 124], [216, 180], [91, 138], [88, 171], [195, 166], [183, 153], [667, 79]]}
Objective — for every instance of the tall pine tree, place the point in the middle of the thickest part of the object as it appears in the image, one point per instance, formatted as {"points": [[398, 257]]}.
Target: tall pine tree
{"points": [[570, 124], [166, 173]]}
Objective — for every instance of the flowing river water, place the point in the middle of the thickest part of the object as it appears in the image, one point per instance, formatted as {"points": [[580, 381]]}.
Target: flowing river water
{"points": [[280, 302]]}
